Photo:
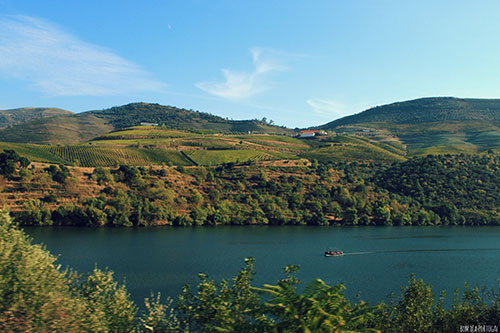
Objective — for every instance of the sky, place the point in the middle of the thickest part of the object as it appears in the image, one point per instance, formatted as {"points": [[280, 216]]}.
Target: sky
{"points": [[298, 63]]}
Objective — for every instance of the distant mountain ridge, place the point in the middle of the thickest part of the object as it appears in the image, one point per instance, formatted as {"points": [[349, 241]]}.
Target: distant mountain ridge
{"points": [[431, 109], [66, 127], [177, 118], [13, 117], [71, 128], [134, 113], [432, 125]]}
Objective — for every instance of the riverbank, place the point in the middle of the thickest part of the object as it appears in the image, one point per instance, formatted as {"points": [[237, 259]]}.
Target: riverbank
{"points": [[432, 190]]}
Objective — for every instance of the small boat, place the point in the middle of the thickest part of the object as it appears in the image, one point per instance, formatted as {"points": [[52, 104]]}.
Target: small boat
{"points": [[333, 253]]}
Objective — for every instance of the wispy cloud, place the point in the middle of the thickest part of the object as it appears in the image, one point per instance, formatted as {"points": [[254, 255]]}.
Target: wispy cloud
{"points": [[241, 85], [58, 63], [323, 107]]}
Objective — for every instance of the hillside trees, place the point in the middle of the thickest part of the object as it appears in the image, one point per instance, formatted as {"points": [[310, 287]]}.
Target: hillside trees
{"points": [[10, 161], [58, 173], [34, 213], [432, 190], [450, 189]]}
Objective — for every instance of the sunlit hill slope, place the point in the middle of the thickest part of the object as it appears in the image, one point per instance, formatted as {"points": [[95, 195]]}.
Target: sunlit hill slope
{"points": [[431, 125]]}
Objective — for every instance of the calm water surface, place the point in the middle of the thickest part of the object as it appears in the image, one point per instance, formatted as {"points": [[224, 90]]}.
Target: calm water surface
{"points": [[377, 260]]}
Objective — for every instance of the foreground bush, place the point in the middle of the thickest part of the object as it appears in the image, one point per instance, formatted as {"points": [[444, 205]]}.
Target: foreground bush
{"points": [[35, 295]]}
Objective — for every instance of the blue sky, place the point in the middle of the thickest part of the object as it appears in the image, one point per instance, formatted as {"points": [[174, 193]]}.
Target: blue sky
{"points": [[299, 63]]}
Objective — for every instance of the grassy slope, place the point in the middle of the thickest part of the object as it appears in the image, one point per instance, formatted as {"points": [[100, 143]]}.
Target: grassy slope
{"points": [[13, 117], [91, 156], [34, 153], [452, 137], [61, 129], [429, 125], [144, 132], [216, 157], [353, 148]]}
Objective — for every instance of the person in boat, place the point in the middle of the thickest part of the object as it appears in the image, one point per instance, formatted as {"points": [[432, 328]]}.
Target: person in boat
{"points": [[333, 253]]}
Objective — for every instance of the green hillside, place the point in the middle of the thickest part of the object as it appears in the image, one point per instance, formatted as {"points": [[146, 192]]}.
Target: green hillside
{"points": [[153, 145], [35, 153], [61, 129], [217, 148], [13, 117], [176, 118], [92, 156], [437, 125], [430, 125], [38, 125], [351, 148], [424, 110]]}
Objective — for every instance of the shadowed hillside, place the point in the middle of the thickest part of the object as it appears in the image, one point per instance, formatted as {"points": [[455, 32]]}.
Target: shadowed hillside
{"points": [[21, 115], [73, 128], [177, 118], [62, 129]]}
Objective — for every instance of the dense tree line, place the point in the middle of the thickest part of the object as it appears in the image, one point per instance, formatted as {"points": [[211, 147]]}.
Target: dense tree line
{"points": [[459, 189], [36, 295], [432, 190]]}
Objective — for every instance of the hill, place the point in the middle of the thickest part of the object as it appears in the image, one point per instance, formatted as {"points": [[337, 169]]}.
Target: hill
{"points": [[21, 115], [74, 128], [430, 125], [177, 118], [60, 129], [432, 109], [436, 125]]}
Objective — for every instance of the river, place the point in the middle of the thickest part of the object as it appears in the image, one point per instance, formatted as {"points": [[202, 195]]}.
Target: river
{"points": [[377, 260]]}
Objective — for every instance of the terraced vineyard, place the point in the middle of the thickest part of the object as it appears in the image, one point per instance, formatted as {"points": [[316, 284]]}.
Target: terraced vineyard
{"points": [[88, 156], [32, 152], [355, 148], [215, 157], [143, 145], [146, 131]]}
